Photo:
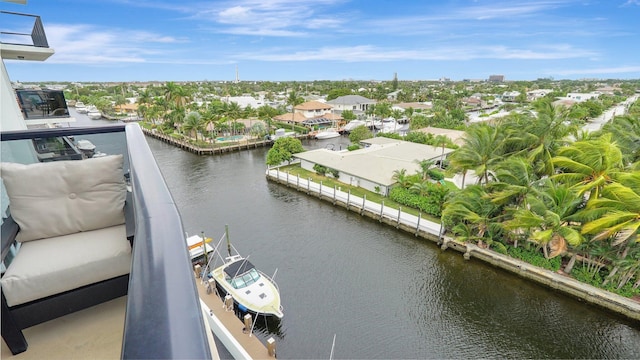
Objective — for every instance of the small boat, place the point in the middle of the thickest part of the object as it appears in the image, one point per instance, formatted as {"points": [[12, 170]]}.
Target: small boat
{"points": [[93, 113], [354, 124], [197, 245], [252, 290], [389, 125], [86, 147], [80, 107], [374, 124], [327, 134]]}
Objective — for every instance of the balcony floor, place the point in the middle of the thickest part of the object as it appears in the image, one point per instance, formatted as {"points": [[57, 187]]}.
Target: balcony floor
{"points": [[93, 333]]}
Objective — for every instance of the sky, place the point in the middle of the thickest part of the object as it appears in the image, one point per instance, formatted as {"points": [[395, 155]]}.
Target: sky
{"points": [[306, 40]]}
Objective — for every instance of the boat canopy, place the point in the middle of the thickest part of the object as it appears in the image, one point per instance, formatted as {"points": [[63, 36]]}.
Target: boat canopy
{"points": [[238, 268]]}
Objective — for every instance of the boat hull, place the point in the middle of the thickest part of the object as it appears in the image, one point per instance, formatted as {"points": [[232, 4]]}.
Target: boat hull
{"points": [[261, 297]]}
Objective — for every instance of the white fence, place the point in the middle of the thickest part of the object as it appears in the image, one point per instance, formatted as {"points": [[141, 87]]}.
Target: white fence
{"points": [[373, 209]]}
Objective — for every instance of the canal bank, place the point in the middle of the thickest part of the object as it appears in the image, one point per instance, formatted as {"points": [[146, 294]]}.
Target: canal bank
{"points": [[431, 231], [222, 148]]}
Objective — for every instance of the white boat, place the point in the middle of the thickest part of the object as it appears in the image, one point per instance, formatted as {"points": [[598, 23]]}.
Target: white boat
{"points": [[252, 290], [86, 147], [354, 124], [81, 108], [389, 125], [371, 124], [327, 134], [93, 113], [196, 248]]}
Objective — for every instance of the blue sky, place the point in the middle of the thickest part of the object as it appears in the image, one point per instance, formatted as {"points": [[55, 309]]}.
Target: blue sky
{"points": [[143, 40]]}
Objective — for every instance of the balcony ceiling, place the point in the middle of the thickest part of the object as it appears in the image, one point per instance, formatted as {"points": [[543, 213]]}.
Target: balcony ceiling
{"points": [[25, 52]]}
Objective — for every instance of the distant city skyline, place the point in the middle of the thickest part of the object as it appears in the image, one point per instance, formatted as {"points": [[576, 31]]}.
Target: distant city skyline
{"points": [[286, 40]]}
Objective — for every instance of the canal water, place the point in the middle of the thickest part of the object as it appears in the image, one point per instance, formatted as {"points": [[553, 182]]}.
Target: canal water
{"points": [[384, 294]]}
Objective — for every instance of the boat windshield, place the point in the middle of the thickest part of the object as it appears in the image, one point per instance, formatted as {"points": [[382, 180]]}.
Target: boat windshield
{"points": [[245, 279]]}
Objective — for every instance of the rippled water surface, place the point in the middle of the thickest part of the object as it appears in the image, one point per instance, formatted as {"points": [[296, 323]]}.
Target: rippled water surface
{"points": [[383, 293]]}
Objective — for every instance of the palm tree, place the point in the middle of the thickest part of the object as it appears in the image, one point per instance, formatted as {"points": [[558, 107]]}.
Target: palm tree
{"points": [[616, 216], [515, 181], [547, 217], [144, 98], [233, 112], [193, 122], [441, 140], [626, 131], [473, 216], [424, 168], [266, 113], [481, 151], [420, 187], [401, 177], [294, 100], [383, 109], [371, 110], [408, 112], [538, 138], [589, 165], [176, 95]]}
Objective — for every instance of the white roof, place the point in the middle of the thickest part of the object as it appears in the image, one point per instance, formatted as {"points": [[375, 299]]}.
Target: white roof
{"points": [[378, 161]]}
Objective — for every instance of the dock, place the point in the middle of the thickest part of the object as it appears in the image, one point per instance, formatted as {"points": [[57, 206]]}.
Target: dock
{"points": [[252, 346]]}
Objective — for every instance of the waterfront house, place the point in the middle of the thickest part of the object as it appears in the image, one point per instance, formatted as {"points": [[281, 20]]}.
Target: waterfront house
{"points": [[537, 94], [356, 103], [509, 96], [372, 168], [312, 109], [312, 114], [580, 97], [393, 96]]}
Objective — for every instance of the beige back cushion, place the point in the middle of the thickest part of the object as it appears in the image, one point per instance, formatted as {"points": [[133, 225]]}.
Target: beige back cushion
{"points": [[65, 197]]}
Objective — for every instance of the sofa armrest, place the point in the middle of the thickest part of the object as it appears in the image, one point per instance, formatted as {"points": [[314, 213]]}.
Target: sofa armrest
{"points": [[9, 231], [129, 217]]}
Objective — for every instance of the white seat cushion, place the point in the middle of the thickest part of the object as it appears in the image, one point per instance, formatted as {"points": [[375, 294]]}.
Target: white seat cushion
{"points": [[54, 265], [64, 197]]}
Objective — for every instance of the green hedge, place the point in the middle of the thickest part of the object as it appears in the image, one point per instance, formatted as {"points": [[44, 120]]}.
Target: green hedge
{"points": [[429, 204], [535, 257]]}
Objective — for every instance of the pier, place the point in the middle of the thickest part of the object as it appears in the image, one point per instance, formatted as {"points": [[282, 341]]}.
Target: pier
{"points": [[247, 345]]}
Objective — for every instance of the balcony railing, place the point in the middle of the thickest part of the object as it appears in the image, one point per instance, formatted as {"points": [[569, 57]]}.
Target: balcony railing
{"points": [[163, 316], [17, 20]]}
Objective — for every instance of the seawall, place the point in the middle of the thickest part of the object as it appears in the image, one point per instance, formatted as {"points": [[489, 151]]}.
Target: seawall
{"points": [[227, 147], [431, 231]]}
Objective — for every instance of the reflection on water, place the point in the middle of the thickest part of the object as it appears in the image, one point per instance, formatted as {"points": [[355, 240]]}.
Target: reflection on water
{"points": [[384, 294]]}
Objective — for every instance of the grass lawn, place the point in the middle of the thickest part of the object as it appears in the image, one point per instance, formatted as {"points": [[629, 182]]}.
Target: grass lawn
{"points": [[295, 170]]}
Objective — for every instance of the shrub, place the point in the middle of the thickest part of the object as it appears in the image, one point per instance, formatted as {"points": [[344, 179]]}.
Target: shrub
{"points": [[535, 257], [435, 174], [320, 169], [429, 204], [335, 173], [353, 147]]}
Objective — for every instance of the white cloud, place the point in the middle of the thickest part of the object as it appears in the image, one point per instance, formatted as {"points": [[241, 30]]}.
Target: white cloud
{"points": [[91, 45], [597, 71], [276, 18], [370, 53], [507, 10]]}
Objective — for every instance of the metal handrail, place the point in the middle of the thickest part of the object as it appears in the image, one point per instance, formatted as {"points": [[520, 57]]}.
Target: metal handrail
{"points": [[38, 36], [164, 317]]}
